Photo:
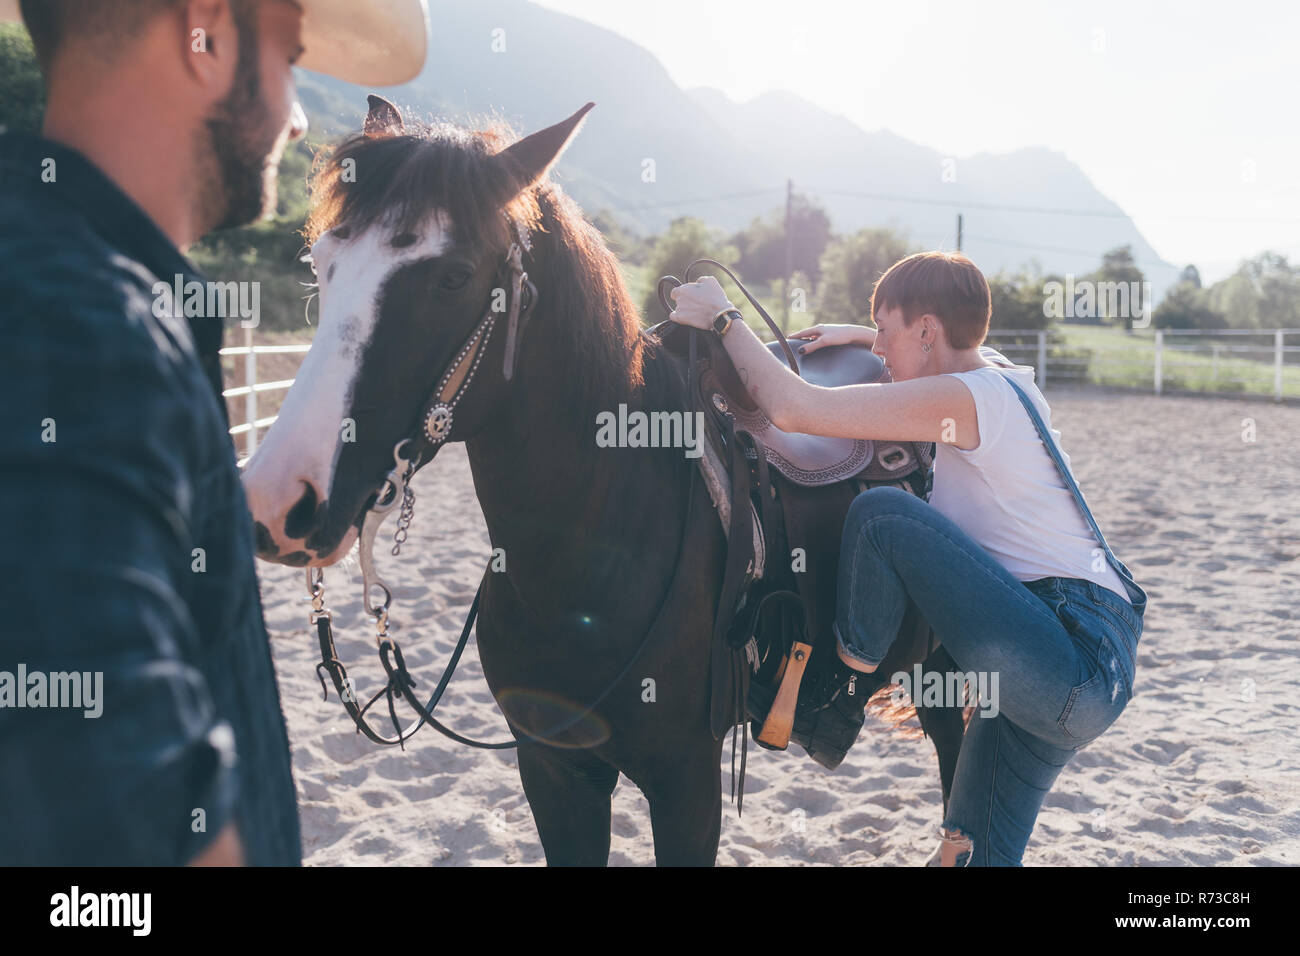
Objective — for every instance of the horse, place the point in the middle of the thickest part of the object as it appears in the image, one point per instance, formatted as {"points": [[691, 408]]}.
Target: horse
{"points": [[611, 563]]}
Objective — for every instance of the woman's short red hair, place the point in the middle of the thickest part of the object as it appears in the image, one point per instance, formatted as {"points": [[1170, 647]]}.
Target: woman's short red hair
{"points": [[946, 285]]}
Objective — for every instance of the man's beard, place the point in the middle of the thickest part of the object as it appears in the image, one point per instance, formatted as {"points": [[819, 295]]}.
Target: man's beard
{"points": [[242, 147]]}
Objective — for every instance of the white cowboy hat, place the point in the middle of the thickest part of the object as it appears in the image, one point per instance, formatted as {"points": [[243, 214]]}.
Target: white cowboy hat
{"points": [[367, 42]]}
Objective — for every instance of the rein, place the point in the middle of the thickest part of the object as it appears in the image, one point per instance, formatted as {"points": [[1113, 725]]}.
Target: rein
{"points": [[673, 282], [436, 419]]}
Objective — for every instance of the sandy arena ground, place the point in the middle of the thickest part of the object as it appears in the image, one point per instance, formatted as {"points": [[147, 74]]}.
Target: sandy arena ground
{"points": [[1201, 769]]}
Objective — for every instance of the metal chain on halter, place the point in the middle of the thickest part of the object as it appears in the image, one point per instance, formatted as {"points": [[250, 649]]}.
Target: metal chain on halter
{"points": [[316, 592], [407, 513]]}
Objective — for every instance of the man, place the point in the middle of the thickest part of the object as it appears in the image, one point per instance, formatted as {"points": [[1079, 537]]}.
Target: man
{"points": [[140, 721]]}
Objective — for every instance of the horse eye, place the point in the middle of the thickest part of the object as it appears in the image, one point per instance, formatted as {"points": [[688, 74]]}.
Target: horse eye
{"points": [[455, 280], [343, 232], [404, 240]]}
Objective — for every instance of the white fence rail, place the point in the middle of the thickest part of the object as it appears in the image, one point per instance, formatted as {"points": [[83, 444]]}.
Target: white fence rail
{"points": [[1252, 362], [1110, 356], [252, 388]]}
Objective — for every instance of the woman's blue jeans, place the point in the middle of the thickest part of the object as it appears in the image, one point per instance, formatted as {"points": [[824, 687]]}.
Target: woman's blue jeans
{"points": [[1063, 651]]}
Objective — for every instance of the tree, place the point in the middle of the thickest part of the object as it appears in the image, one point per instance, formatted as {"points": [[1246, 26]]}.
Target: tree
{"points": [[1277, 289], [799, 298], [762, 243], [1186, 306], [1018, 300], [22, 91], [686, 240], [1117, 266], [627, 246], [1264, 293], [850, 267]]}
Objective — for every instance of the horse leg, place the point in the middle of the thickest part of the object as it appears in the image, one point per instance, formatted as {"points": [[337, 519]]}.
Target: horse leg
{"points": [[686, 806], [945, 726], [569, 792]]}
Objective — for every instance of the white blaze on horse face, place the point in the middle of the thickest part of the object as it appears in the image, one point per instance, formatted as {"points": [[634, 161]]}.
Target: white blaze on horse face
{"points": [[306, 438]]}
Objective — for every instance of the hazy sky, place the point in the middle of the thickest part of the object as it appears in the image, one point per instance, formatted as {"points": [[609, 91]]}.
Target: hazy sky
{"points": [[1187, 114]]}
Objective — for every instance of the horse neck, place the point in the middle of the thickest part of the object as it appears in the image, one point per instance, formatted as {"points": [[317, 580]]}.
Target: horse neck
{"points": [[554, 501]]}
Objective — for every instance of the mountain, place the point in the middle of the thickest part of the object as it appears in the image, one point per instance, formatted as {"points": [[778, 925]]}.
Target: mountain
{"points": [[870, 178], [726, 162]]}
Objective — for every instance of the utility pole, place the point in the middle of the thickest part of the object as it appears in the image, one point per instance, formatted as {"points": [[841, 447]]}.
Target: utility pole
{"points": [[789, 254], [959, 232]]}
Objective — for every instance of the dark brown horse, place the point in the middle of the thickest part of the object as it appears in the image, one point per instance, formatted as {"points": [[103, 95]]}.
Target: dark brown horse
{"points": [[410, 229]]}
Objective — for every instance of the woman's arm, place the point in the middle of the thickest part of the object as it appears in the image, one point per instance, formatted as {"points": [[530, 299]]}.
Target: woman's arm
{"points": [[935, 408], [820, 336]]}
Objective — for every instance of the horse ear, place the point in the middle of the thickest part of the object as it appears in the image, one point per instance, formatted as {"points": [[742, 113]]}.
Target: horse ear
{"points": [[384, 119], [528, 160]]}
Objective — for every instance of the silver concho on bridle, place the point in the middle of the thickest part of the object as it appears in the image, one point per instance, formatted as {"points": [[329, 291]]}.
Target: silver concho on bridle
{"points": [[437, 424]]}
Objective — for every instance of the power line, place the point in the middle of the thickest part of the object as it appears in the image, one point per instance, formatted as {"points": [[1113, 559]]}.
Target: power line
{"points": [[685, 202], [1151, 263], [1044, 210], [954, 203], [1040, 210]]}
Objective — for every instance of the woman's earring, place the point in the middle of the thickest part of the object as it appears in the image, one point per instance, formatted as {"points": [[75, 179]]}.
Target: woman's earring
{"points": [[925, 346]]}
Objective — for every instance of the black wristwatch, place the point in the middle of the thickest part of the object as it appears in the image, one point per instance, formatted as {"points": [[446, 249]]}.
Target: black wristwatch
{"points": [[722, 321]]}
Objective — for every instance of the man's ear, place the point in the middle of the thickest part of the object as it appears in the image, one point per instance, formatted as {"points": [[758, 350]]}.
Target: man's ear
{"points": [[209, 42], [384, 119]]}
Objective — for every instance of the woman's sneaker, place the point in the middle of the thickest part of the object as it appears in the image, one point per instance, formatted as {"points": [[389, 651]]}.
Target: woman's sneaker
{"points": [[830, 711]]}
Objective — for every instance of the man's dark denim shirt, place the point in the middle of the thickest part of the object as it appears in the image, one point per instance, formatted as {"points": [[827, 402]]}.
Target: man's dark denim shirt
{"points": [[127, 547]]}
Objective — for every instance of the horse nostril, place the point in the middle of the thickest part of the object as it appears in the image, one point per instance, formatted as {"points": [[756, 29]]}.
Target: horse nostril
{"points": [[305, 516], [265, 542]]}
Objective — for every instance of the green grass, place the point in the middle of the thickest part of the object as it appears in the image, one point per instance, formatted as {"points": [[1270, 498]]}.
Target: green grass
{"points": [[1190, 363]]}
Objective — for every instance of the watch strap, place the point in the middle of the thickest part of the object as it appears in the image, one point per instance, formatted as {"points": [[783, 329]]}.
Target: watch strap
{"points": [[731, 314]]}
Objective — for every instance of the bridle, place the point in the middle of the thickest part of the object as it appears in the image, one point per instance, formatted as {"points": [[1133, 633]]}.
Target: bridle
{"points": [[432, 430]]}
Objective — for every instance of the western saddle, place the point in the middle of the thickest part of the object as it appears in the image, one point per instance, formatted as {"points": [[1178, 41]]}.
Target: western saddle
{"points": [[782, 499]]}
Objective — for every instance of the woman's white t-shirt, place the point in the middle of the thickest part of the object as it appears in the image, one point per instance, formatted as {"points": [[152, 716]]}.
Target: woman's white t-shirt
{"points": [[1007, 494]]}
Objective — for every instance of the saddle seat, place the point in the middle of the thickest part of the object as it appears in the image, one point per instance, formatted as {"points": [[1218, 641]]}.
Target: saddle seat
{"points": [[808, 460], [814, 460]]}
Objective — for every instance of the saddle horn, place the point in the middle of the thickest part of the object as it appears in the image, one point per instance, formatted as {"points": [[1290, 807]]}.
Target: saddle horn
{"points": [[667, 283]]}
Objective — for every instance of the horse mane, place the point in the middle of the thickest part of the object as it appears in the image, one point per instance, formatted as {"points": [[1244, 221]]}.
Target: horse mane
{"points": [[439, 166]]}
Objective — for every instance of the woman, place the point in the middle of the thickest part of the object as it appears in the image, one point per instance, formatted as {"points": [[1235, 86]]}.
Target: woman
{"points": [[1005, 561]]}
